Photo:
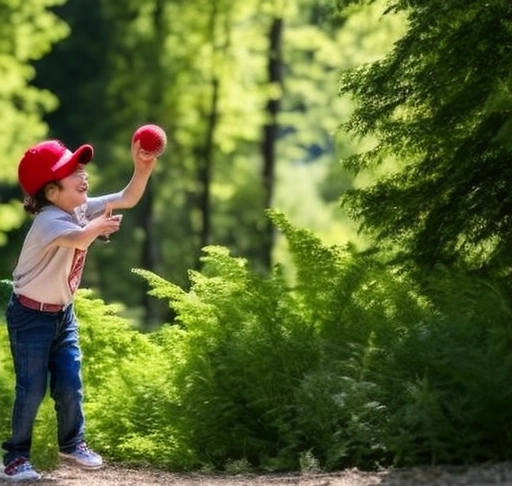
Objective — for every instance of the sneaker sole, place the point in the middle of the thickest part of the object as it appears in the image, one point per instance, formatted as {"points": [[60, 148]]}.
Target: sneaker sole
{"points": [[4, 478], [73, 460]]}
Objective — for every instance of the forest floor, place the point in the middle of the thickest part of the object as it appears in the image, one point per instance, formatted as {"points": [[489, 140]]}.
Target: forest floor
{"points": [[112, 475]]}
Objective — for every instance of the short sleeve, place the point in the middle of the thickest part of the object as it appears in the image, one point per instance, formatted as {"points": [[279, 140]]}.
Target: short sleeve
{"points": [[52, 223], [97, 205]]}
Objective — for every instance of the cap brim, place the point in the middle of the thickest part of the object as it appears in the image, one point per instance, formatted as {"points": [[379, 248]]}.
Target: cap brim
{"points": [[84, 154], [68, 163]]}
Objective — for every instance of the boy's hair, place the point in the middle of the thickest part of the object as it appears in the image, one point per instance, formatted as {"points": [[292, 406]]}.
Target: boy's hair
{"points": [[34, 204]]}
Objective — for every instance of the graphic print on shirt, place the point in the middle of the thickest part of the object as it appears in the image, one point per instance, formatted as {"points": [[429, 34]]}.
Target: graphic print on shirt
{"points": [[81, 215], [77, 267]]}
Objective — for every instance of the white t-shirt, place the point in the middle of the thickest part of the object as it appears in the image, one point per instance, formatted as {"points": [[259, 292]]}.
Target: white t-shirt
{"points": [[49, 273]]}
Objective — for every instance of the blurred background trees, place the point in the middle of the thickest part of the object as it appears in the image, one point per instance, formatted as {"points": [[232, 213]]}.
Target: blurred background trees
{"points": [[248, 94], [29, 30]]}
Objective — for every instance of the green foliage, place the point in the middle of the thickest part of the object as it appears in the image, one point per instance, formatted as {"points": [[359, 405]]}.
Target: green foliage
{"points": [[356, 363], [270, 372], [450, 410], [28, 31], [349, 362], [361, 308], [244, 350], [127, 389], [127, 393], [439, 109]]}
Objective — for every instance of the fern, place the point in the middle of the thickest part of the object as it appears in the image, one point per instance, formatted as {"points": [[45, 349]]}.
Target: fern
{"points": [[342, 360]]}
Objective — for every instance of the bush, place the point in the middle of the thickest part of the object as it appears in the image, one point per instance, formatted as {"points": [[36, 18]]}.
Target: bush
{"points": [[128, 389], [271, 371], [351, 361]]}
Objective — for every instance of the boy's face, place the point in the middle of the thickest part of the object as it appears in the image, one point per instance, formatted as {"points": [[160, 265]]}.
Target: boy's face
{"points": [[73, 190]]}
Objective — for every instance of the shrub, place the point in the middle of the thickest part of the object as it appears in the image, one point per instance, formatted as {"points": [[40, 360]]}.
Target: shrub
{"points": [[270, 371], [350, 361]]}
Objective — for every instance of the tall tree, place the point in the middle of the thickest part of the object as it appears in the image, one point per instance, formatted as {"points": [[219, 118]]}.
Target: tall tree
{"points": [[439, 106]]}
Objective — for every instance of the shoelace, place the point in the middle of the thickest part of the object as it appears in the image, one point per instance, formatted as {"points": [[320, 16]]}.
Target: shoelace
{"points": [[82, 447]]}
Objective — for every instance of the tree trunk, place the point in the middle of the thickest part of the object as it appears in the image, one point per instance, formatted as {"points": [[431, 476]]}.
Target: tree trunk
{"points": [[270, 133], [207, 150], [206, 165]]}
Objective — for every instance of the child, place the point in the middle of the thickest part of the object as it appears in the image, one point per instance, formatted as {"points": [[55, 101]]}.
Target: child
{"points": [[41, 322]]}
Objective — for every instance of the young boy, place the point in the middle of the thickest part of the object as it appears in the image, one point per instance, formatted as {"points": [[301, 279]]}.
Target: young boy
{"points": [[42, 326]]}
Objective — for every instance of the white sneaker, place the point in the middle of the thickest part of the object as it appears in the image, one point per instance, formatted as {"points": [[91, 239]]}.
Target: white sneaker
{"points": [[83, 457], [19, 469]]}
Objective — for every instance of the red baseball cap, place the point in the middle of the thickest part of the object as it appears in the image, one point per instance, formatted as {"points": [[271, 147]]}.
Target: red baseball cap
{"points": [[50, 161]]}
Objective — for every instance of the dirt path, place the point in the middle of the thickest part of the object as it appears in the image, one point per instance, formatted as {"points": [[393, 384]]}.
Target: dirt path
{"points": [[484, 475]]}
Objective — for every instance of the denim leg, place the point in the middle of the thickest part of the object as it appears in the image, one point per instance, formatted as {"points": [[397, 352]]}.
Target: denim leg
{"points": [[31, 336], [66, 383]]}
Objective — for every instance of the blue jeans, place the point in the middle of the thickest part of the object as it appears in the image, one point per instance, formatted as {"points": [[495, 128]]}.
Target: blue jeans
{"points": [[44, 346]]}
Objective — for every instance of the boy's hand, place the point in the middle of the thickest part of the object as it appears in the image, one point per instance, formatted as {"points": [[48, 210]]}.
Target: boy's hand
{"points": [[142, 159], [108, 223], [101, 227]]}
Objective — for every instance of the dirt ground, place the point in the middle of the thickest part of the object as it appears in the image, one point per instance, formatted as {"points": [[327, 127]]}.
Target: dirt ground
{"points": [[483, 475]]}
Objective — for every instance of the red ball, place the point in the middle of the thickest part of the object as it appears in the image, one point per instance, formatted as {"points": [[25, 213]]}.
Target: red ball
{"points": [[153, 139]]}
